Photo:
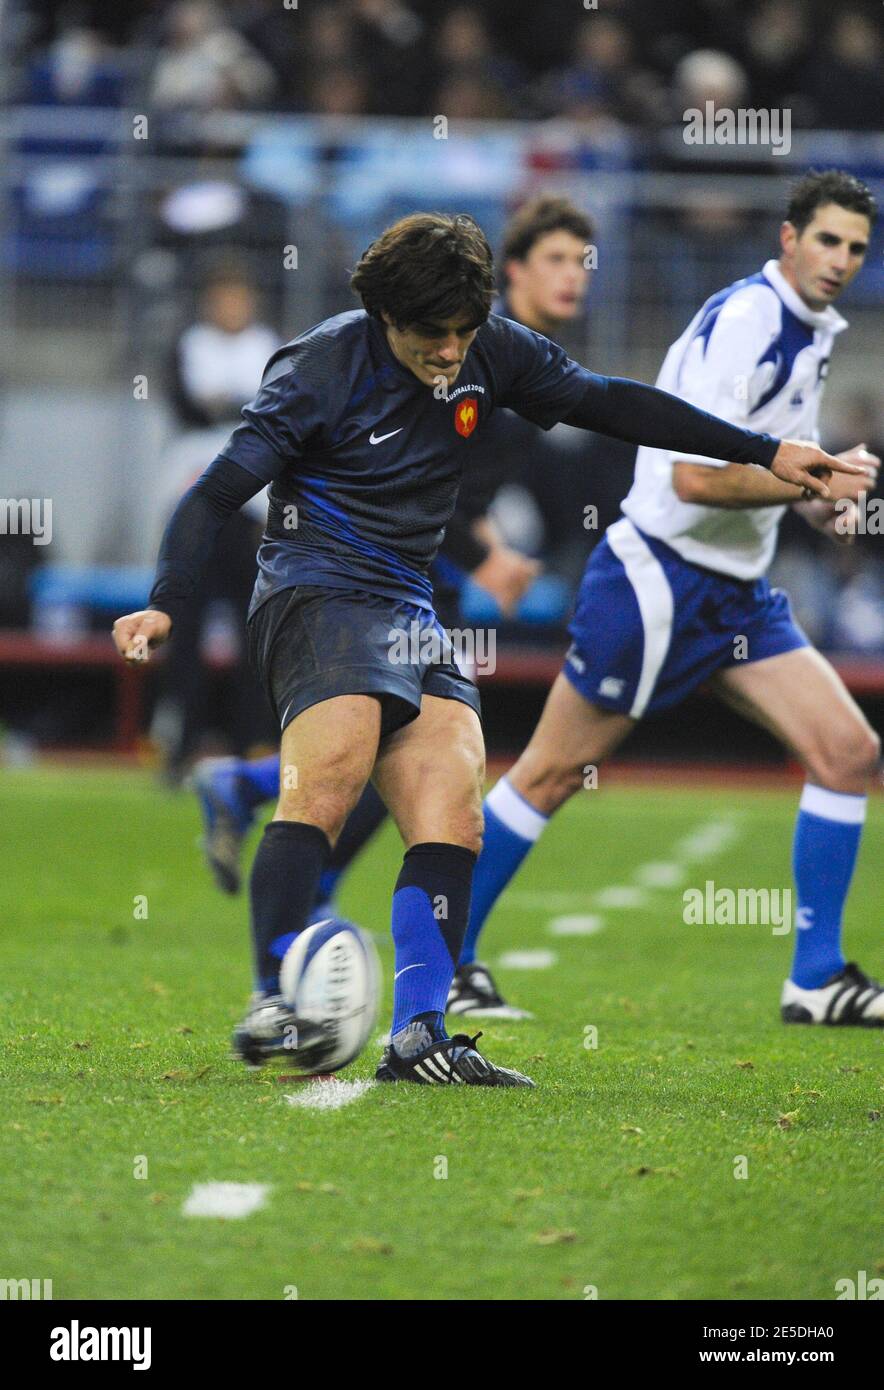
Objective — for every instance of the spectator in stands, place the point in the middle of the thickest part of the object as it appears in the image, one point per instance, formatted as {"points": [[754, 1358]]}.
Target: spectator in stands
{"points": [[845, 78], [220, 358], [474, 78], [391, 41], [605, 72], [708, 75], [206, 64], [778, 40], [338, 90], [79, 68]]}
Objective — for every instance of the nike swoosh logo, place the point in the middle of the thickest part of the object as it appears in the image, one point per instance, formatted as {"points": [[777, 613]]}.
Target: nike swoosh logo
{"points": [[420, 966], [379, 439]]}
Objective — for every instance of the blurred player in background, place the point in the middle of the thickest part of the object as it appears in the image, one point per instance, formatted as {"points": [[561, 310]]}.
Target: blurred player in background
{"points": [[216, 365], [676, 596]]}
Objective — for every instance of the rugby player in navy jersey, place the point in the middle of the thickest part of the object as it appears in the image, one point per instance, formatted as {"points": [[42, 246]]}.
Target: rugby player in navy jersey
{"points": [[545, 258], [363, 427]]}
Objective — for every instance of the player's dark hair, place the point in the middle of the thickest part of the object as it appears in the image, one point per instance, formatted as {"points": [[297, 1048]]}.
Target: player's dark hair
{"points": [[821, 186], [428, 267], [540, 216]]}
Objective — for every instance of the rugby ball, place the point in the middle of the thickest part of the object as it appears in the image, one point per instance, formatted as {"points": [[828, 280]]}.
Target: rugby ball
{"points": [[331, 975]]}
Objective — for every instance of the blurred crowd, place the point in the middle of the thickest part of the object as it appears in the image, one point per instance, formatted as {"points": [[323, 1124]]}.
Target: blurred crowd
{"points": [[629, 63]]}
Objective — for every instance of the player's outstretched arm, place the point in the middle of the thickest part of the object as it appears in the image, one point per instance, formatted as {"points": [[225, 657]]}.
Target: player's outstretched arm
{"points": [[641, 414], [733, 486], [186, 545]]}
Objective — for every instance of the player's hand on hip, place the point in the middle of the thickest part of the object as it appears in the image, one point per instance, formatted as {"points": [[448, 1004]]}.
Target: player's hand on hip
{"points": [[137, 633], [505, 574], [806, 465]]}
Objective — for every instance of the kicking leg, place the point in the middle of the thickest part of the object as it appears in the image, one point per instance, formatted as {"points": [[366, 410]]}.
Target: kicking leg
{"points": [[327, 754], [800, 698]]}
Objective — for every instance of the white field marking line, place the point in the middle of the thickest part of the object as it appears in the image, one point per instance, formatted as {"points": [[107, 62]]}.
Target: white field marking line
{"points": [[660, 873], [229, 1200], [527, 960], [710, 838], [576, 924], [534, 897], [704, 841], [329, 1095], [621, 895]]}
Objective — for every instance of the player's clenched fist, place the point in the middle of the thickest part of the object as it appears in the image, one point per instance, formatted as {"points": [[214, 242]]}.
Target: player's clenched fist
{"points": [[506, 575], [808, 466], [137, 633]]}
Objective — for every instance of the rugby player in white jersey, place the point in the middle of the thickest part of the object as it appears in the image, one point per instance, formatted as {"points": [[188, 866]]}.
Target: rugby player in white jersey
{"points": [[676, 596]]}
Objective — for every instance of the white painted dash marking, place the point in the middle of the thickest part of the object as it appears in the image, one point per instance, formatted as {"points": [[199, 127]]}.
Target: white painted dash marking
{"points": [[229, 1200], [548, 900], [660, 874], [710, 838], [621, 895], [576, 924], [329, 1095], [527, 960]]}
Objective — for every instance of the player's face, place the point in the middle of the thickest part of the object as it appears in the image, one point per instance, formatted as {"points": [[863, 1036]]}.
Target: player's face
{"points": [[433, 351], [822, 261], [553, 279]]}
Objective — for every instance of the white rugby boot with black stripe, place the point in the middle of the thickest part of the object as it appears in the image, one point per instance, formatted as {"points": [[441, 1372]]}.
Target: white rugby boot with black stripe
{"points": [[474, 992], [445, 1062], [849, 998]]}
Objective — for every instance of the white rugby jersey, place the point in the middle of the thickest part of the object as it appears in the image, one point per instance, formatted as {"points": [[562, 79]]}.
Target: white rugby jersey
{"points": [[757, 356]]}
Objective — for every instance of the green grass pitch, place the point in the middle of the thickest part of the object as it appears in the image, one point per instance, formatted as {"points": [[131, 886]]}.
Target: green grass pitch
{"points": [[617, 1174]]}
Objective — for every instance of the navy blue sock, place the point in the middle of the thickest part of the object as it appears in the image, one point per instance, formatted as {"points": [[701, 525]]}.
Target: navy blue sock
{"points": [[285, 874], [362, 822], [431, 903]]}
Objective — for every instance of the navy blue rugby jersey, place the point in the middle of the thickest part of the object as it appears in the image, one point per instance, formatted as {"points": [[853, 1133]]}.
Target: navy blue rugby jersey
{"points": [[364, 461]]}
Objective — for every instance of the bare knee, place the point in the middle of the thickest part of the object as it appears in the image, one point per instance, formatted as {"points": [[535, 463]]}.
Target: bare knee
{"points": [[547, 783], [850, 762]]}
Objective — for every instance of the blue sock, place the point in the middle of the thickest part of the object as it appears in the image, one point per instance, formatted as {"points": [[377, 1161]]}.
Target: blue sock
{"points": [[430, 906], [260, 779], [827, 836], [511, 828]]}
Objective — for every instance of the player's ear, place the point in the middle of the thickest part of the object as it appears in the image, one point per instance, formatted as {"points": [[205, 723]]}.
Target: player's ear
{"points": [[788, 237], [511, 268]]}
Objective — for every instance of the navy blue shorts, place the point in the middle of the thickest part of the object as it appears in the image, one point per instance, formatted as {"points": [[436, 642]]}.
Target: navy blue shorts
{"points": [[649, 627], [310, 644]]}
